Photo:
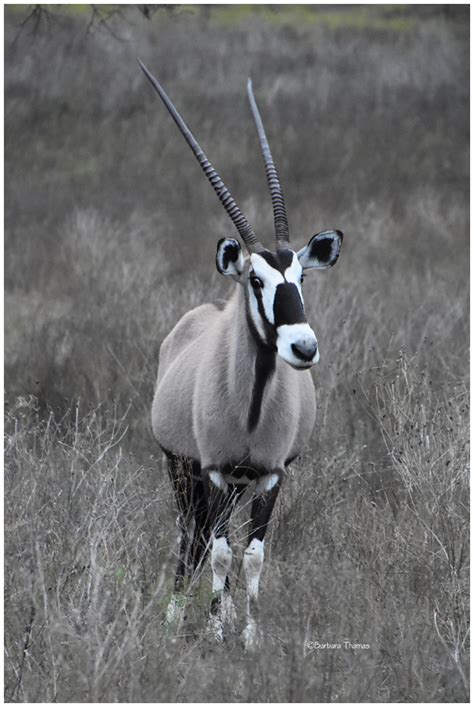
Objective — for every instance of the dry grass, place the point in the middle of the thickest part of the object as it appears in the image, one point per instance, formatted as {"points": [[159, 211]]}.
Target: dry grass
{"points": [[110, 236]]}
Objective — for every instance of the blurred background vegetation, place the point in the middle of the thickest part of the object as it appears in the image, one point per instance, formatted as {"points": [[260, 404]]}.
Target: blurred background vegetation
{"points": [[105, 209], [110, 235]]}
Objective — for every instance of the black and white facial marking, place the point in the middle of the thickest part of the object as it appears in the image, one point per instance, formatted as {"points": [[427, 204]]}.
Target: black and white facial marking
{"points": [[276, 307], [274, 294]]}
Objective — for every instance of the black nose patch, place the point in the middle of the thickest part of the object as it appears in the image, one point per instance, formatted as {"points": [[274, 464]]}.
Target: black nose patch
{"points": [[287, 306]]}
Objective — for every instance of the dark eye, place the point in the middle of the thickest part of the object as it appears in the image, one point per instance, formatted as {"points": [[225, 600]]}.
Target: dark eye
{"points": [[302, 277], [256, 283]]}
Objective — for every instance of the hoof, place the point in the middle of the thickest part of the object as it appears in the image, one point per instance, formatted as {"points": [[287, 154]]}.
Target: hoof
{"points": [[175, 613], [215, 630], [251, 637], [228, 613]]}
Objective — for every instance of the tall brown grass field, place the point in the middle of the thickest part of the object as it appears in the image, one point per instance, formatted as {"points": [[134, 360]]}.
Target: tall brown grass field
{"points": [[110, 235]]}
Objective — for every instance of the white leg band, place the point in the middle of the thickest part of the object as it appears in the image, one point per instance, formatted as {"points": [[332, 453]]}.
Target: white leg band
{"points": [[221, 559], [253, 563], [216, 478]]}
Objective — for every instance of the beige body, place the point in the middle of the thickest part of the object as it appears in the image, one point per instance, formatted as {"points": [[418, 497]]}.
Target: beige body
{"points": [[204, 391]]}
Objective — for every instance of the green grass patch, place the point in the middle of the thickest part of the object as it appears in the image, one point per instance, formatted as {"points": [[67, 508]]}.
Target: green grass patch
{"points": [[385, 18]]}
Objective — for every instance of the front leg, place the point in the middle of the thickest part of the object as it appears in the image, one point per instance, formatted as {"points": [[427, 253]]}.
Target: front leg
{"points": [[266, 493], [221, 500]]}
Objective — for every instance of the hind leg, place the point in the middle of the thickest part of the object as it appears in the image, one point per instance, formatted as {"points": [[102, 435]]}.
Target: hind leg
{"points": [[183, 474], [201, 537]]}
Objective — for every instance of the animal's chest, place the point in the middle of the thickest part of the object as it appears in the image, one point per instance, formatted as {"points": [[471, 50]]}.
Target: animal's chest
{"points": [[262, 436]]}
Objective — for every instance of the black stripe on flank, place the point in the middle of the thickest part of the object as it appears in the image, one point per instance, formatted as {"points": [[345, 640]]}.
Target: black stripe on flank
{"points": [[264, 368], [287, 305]]}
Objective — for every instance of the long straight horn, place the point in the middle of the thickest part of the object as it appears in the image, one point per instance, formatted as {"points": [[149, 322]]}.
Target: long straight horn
{"points": [[279, 210], [240, 222]]}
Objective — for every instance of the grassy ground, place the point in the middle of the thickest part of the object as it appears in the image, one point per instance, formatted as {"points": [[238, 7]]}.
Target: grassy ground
{"points": [[110, 233]]}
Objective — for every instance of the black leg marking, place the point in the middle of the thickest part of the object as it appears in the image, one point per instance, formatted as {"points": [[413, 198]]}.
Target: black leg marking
{"points": [[189, 493], [202, 536], [220, 504], [262, 508]]}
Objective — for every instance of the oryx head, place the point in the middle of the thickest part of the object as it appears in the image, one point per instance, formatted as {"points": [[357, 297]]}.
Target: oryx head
{"points": [[273, 282], [272, 279]]}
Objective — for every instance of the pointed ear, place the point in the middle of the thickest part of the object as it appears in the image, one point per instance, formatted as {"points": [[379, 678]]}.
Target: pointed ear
{"points": [[322, 251], [229, 258]]}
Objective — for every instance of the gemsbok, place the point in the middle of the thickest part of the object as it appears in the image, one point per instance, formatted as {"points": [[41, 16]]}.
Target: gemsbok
{"points": [[235, 401]]}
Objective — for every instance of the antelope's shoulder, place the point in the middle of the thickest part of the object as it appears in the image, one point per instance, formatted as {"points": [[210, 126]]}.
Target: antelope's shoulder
{"points": [[190, 327]]}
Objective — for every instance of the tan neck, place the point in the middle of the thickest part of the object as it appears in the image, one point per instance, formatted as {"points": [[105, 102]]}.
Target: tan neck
{"points": [[249, 364]]}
